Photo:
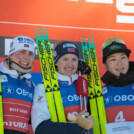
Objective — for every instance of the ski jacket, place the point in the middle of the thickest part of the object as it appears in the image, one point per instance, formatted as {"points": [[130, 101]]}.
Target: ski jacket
{"points": [[119, 103], [17, 98], [119, 96], [40, 113]]}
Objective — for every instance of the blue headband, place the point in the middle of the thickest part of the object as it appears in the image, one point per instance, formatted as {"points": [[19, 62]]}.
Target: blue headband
{"points": [[67, 48]]}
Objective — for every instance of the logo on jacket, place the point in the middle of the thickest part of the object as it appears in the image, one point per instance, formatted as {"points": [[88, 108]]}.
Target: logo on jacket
{"points": [[108, 100], [40, 98], [28, 83], [4, 78], [8, 90], [104, 90]]}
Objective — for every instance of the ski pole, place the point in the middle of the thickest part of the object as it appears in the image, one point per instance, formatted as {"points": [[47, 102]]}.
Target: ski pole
{"points": [[82, 91]]}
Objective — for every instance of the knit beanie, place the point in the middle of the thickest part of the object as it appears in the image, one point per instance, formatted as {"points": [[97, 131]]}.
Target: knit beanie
{"points": [[65, 48], [114, 45]]}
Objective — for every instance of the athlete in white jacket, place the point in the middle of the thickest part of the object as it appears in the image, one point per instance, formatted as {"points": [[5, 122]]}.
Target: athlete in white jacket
{"points": [[66, 62], [17, 87]]}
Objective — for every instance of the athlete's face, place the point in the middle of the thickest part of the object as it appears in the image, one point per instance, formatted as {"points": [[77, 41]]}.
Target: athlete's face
{"points": [[67, 64], [117, 63], [24, 58]]}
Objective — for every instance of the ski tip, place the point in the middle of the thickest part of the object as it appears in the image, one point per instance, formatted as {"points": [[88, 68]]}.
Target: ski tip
{"points": [[37, 32], [83, 42], [90, 40], [45, 34]]}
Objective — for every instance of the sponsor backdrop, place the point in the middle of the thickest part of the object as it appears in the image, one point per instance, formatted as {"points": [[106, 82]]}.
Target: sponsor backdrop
{"points": [[67, 20]]}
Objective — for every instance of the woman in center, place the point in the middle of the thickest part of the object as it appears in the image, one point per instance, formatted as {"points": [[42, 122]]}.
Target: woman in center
{"points": [[66, 59]]}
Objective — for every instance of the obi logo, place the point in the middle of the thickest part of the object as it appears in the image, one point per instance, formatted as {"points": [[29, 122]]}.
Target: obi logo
{"points": [[124, 98], [24, 92], [73, 98]]}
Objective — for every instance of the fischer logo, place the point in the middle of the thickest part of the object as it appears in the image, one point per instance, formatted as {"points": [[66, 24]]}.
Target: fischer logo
{"points": [[125, 7]]}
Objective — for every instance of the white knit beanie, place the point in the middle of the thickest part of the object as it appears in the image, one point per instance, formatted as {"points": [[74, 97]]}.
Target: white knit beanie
{"points": [[22, 43]]}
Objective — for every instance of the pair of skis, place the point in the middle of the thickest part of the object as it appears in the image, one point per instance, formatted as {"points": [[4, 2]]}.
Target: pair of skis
{"points": [[49, 76], [51, 83], [94, 86]]}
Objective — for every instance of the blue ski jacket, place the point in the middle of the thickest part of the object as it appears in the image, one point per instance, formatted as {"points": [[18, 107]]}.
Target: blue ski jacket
{"points": [[17, 98], [40, 113]]}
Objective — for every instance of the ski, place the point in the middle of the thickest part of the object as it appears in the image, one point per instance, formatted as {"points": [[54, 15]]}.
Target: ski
{"points": [[45, 75], [49, 76], [1, 110], [91, 91], [97, 84], [53, 76]]}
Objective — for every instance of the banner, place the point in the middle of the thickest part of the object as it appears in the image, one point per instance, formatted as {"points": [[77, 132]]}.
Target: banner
{"points": [[69, 20]]}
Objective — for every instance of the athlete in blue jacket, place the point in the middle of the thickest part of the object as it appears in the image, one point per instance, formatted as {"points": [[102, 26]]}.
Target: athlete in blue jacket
{"points": [[119, 79], [17, 87], [66, 61]]}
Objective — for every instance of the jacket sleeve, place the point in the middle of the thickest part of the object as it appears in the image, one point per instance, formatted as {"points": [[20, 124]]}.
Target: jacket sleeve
{"points": [[49, 127], [40, 111], [41, 119]]}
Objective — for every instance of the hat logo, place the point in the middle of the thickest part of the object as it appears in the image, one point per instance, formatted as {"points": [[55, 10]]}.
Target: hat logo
{"points": [[71, 50], [20, 39], [25, 40], [69, 45], [115, 47], [26, 45]]}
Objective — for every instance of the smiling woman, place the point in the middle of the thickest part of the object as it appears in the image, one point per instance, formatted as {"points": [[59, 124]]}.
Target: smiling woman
{"points": [[21, 54], [17, 86], [119, 81], [22, 60], [66, 57]]}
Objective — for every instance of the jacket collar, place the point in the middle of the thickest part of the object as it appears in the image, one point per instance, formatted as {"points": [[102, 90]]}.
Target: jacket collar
{"points": [[13, 73], [124, 79], [68, 79]]}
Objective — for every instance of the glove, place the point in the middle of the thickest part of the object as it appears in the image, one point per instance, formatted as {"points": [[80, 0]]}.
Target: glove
{"points": [[83, 67], [84, 120]]}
